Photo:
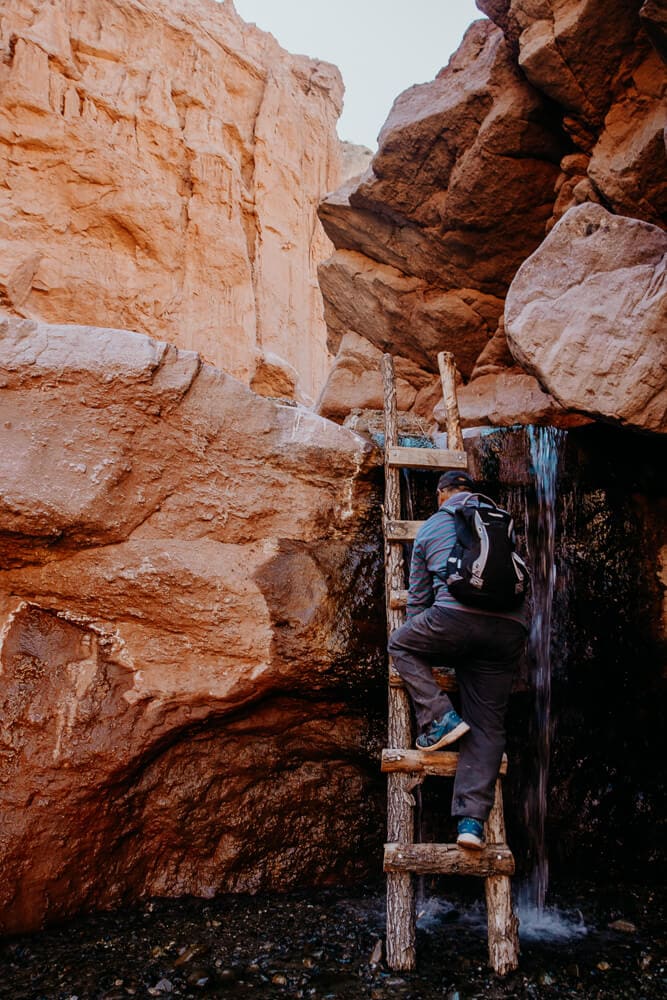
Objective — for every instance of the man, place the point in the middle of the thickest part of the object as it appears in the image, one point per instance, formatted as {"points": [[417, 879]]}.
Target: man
{"points": [[484, 647]]}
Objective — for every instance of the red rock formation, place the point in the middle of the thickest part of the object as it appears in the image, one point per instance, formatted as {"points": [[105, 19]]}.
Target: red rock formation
{"points": [[181, 623], [560, 105], [162, 166], [587, 313]]}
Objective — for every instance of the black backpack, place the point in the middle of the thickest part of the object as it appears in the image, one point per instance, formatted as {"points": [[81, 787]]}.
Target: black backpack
{"points": [[483, 569]]}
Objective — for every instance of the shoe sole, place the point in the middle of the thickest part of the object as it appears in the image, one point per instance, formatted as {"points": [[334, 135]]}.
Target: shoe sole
{"points": [[448, 738], [470, 841]]}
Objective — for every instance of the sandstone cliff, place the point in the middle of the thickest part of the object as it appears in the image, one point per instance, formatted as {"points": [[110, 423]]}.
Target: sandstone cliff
{"points": [[186, 608], [162, 164], [554, 105]]}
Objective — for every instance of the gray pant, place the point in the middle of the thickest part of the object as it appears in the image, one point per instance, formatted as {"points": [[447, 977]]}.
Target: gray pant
{"points": [[484, 651]]}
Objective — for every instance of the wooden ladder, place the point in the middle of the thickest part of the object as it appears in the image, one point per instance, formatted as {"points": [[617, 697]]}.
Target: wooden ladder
{"points": [[407, 767]]}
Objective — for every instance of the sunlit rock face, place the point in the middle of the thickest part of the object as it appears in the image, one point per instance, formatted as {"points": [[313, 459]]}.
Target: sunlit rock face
{"points": [[162, 166], [587, 313], [187, 629], [546, 107]]}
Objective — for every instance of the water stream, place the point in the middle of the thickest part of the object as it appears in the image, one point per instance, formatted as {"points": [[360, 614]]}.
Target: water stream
{"points": [[545, 446]]}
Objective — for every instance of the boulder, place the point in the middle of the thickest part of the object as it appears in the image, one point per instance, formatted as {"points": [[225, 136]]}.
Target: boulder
{"points": [[355, 381], [613, 105], [429, 238], [587, 315], [163, 164], [503, 399], [274, 377], [569, 50], [188, 612], [442, 164], [403, 314], [628, 163]]}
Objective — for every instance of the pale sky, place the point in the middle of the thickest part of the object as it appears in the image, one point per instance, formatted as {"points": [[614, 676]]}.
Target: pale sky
{"points": [[381, 47]]}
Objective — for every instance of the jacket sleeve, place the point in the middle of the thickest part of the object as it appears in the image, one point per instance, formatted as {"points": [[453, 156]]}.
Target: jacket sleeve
{"points": [[420, 594]]}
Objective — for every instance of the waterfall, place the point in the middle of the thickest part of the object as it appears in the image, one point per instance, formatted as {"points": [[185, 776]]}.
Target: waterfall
{"points": [[545, 445]]}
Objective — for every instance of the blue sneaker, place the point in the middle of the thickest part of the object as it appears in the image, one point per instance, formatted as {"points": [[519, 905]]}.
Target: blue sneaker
{"points": [[442, 731], [471, 833]]}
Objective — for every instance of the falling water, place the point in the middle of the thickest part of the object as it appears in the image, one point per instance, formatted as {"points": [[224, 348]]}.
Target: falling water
{"points": [[545, 445]]}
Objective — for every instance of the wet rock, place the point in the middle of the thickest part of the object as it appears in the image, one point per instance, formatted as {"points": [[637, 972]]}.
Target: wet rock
{"points": [[200, 977], [162, 987], [624, 926], [546, 979], [186, 955]]}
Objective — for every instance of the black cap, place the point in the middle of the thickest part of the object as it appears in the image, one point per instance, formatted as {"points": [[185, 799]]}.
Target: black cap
{"points": [[455, 478]]}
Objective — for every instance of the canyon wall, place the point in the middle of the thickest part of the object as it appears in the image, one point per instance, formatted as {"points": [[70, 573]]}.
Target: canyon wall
{"points": [[162, 164], [190, 614], [543, 108]]}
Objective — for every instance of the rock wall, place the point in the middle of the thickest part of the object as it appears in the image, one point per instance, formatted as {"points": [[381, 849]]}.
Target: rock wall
{"points": [[189, 624], [554, 105], [162, 164]]}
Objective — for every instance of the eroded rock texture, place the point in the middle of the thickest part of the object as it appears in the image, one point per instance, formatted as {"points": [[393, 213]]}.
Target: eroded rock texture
{"points": [[588, 313], [546, 107], [188, 625], [162, 165]]}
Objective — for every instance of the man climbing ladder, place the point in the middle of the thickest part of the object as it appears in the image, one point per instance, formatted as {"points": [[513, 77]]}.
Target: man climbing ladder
{"points": [[483, 646], [405, 767]]}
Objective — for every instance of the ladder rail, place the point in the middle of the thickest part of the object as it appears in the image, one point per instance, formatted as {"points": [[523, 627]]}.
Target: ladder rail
{"points": [[401, 922]]}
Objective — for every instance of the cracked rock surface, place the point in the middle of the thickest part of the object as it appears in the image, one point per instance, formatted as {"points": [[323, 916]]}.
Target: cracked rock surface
{"points": [[146, 179], [186, 629]]}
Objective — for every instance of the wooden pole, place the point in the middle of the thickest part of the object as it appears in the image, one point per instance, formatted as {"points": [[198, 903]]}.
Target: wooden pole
{"points": [[503, 922], [447, 367], [401, 952]]}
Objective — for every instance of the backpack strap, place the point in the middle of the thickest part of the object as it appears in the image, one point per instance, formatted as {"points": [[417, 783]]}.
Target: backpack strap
{"points": [[471, 496]]}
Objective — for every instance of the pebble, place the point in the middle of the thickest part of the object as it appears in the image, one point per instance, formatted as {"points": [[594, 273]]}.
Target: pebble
{"points": [[603, 966], [186, 955], [279, 979], [199, 977], [626, 926], [161, 987]]}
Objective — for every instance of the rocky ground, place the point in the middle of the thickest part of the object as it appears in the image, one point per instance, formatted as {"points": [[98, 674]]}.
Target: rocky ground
{"points": [[325, 945]]}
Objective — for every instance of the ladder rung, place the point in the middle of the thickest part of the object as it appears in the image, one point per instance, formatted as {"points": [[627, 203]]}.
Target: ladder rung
{"points": [[401, 531], [425, 458], [445, 677], [448, 859], [438, 762]]}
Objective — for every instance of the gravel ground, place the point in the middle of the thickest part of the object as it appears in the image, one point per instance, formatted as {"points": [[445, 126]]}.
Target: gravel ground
{"points": [[324, 945]]}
